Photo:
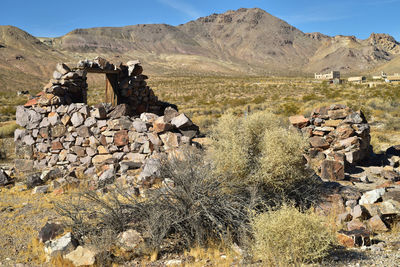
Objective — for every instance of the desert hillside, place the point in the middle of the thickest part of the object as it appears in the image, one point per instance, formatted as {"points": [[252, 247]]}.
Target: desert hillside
{"points": [[241, 42]]}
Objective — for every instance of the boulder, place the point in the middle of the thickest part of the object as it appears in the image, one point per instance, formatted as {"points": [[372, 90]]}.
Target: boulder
{"points": [[299, 121], [33, 180], [49, 231], [170, 140], [62, 68], [77, 119], [82, 256], [372, 196], [121, 138], [181, 121], [170, 113], [42, 189], [62, 245], [139, 126], [120, 111], [376, 224], [130, 240], [319, 142], [360, 212], [151, 170], [332, 170], [4, 178]]}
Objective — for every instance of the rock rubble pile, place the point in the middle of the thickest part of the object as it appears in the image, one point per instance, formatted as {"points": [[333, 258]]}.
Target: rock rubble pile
{"points": [[339, 138]]}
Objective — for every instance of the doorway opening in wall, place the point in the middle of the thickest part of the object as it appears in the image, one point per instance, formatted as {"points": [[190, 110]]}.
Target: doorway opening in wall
{"points": [[96, 88], [102, 86]]}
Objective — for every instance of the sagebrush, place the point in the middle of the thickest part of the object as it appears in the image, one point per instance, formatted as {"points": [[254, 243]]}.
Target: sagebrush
{"points": [[259, 149], [286, 236]]}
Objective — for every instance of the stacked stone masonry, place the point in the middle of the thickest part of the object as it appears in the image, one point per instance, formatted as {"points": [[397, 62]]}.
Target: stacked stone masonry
{"points": [[61, 130], [339, 139], [77, 135], [69, 86]]}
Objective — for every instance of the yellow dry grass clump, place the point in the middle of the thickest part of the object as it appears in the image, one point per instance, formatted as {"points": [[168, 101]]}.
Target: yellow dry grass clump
{"points": [[258, 149], [287, 237]]}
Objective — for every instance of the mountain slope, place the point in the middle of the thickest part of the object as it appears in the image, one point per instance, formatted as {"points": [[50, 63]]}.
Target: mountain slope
{"points": [[241, 42], [24, 60]]}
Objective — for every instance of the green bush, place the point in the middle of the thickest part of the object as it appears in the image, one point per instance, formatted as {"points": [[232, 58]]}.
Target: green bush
{"points": [[258, 149], [287, 236]]}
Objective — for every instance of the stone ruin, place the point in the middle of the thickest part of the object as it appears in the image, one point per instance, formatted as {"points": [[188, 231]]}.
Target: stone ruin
{"points": [[61, 130], [125, 84], [339, 139]]}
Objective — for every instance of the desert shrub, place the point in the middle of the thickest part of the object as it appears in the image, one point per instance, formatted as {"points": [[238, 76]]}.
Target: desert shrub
{"points": [[287, 236], [191, 209], [7, 130], [258, 149]]}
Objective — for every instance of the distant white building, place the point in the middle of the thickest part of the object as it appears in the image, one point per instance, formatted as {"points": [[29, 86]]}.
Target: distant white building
{"points": [[380, 77], [393, 79], [358, 79], [328, 76]]}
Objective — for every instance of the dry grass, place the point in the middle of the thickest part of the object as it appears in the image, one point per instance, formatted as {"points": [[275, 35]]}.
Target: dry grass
{"points": [[21, 217], [287, 237], [258, 149]]}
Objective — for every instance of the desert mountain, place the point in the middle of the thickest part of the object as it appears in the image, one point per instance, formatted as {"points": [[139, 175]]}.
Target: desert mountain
{"points": [[245, 41], [24, 60]]}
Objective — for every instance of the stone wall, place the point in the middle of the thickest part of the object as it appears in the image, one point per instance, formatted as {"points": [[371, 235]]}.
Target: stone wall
{"points": [[339, 139], [60, 129], [77, 135], [69, 85]]}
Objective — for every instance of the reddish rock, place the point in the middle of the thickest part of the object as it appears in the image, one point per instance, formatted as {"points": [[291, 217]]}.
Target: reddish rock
{"points": [[345, 240], [159, 125], [79, 151], [318, 142], [56, 145], [354, 238], [31, 102], [121, 138], [103, 140], [355, 224], [299, 121], [332, 170], [344, 131]]}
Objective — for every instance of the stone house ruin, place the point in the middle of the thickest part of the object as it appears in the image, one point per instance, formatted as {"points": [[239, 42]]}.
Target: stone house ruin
{"points": [[125, 84], [327, 76], [357, 79], [131, 129]]}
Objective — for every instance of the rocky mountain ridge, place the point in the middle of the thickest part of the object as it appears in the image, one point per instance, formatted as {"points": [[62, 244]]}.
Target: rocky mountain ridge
{"points": [[245, 41]]}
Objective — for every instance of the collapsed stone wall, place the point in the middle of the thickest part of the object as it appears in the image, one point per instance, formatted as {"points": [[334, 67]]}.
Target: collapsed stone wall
{"points": [[339, 139], [76, 135], [70, 86]]}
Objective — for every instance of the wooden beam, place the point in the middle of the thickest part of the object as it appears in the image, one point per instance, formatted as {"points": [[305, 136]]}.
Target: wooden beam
{"points": [[112, 89]]}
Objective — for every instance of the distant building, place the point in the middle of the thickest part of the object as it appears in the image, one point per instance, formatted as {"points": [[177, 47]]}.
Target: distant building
{"points": [[393, 79], [380, 77], [328, 76], [358, 79]]}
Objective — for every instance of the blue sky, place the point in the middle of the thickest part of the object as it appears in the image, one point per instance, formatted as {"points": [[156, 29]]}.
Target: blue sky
{"points": [[55, 18]]}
